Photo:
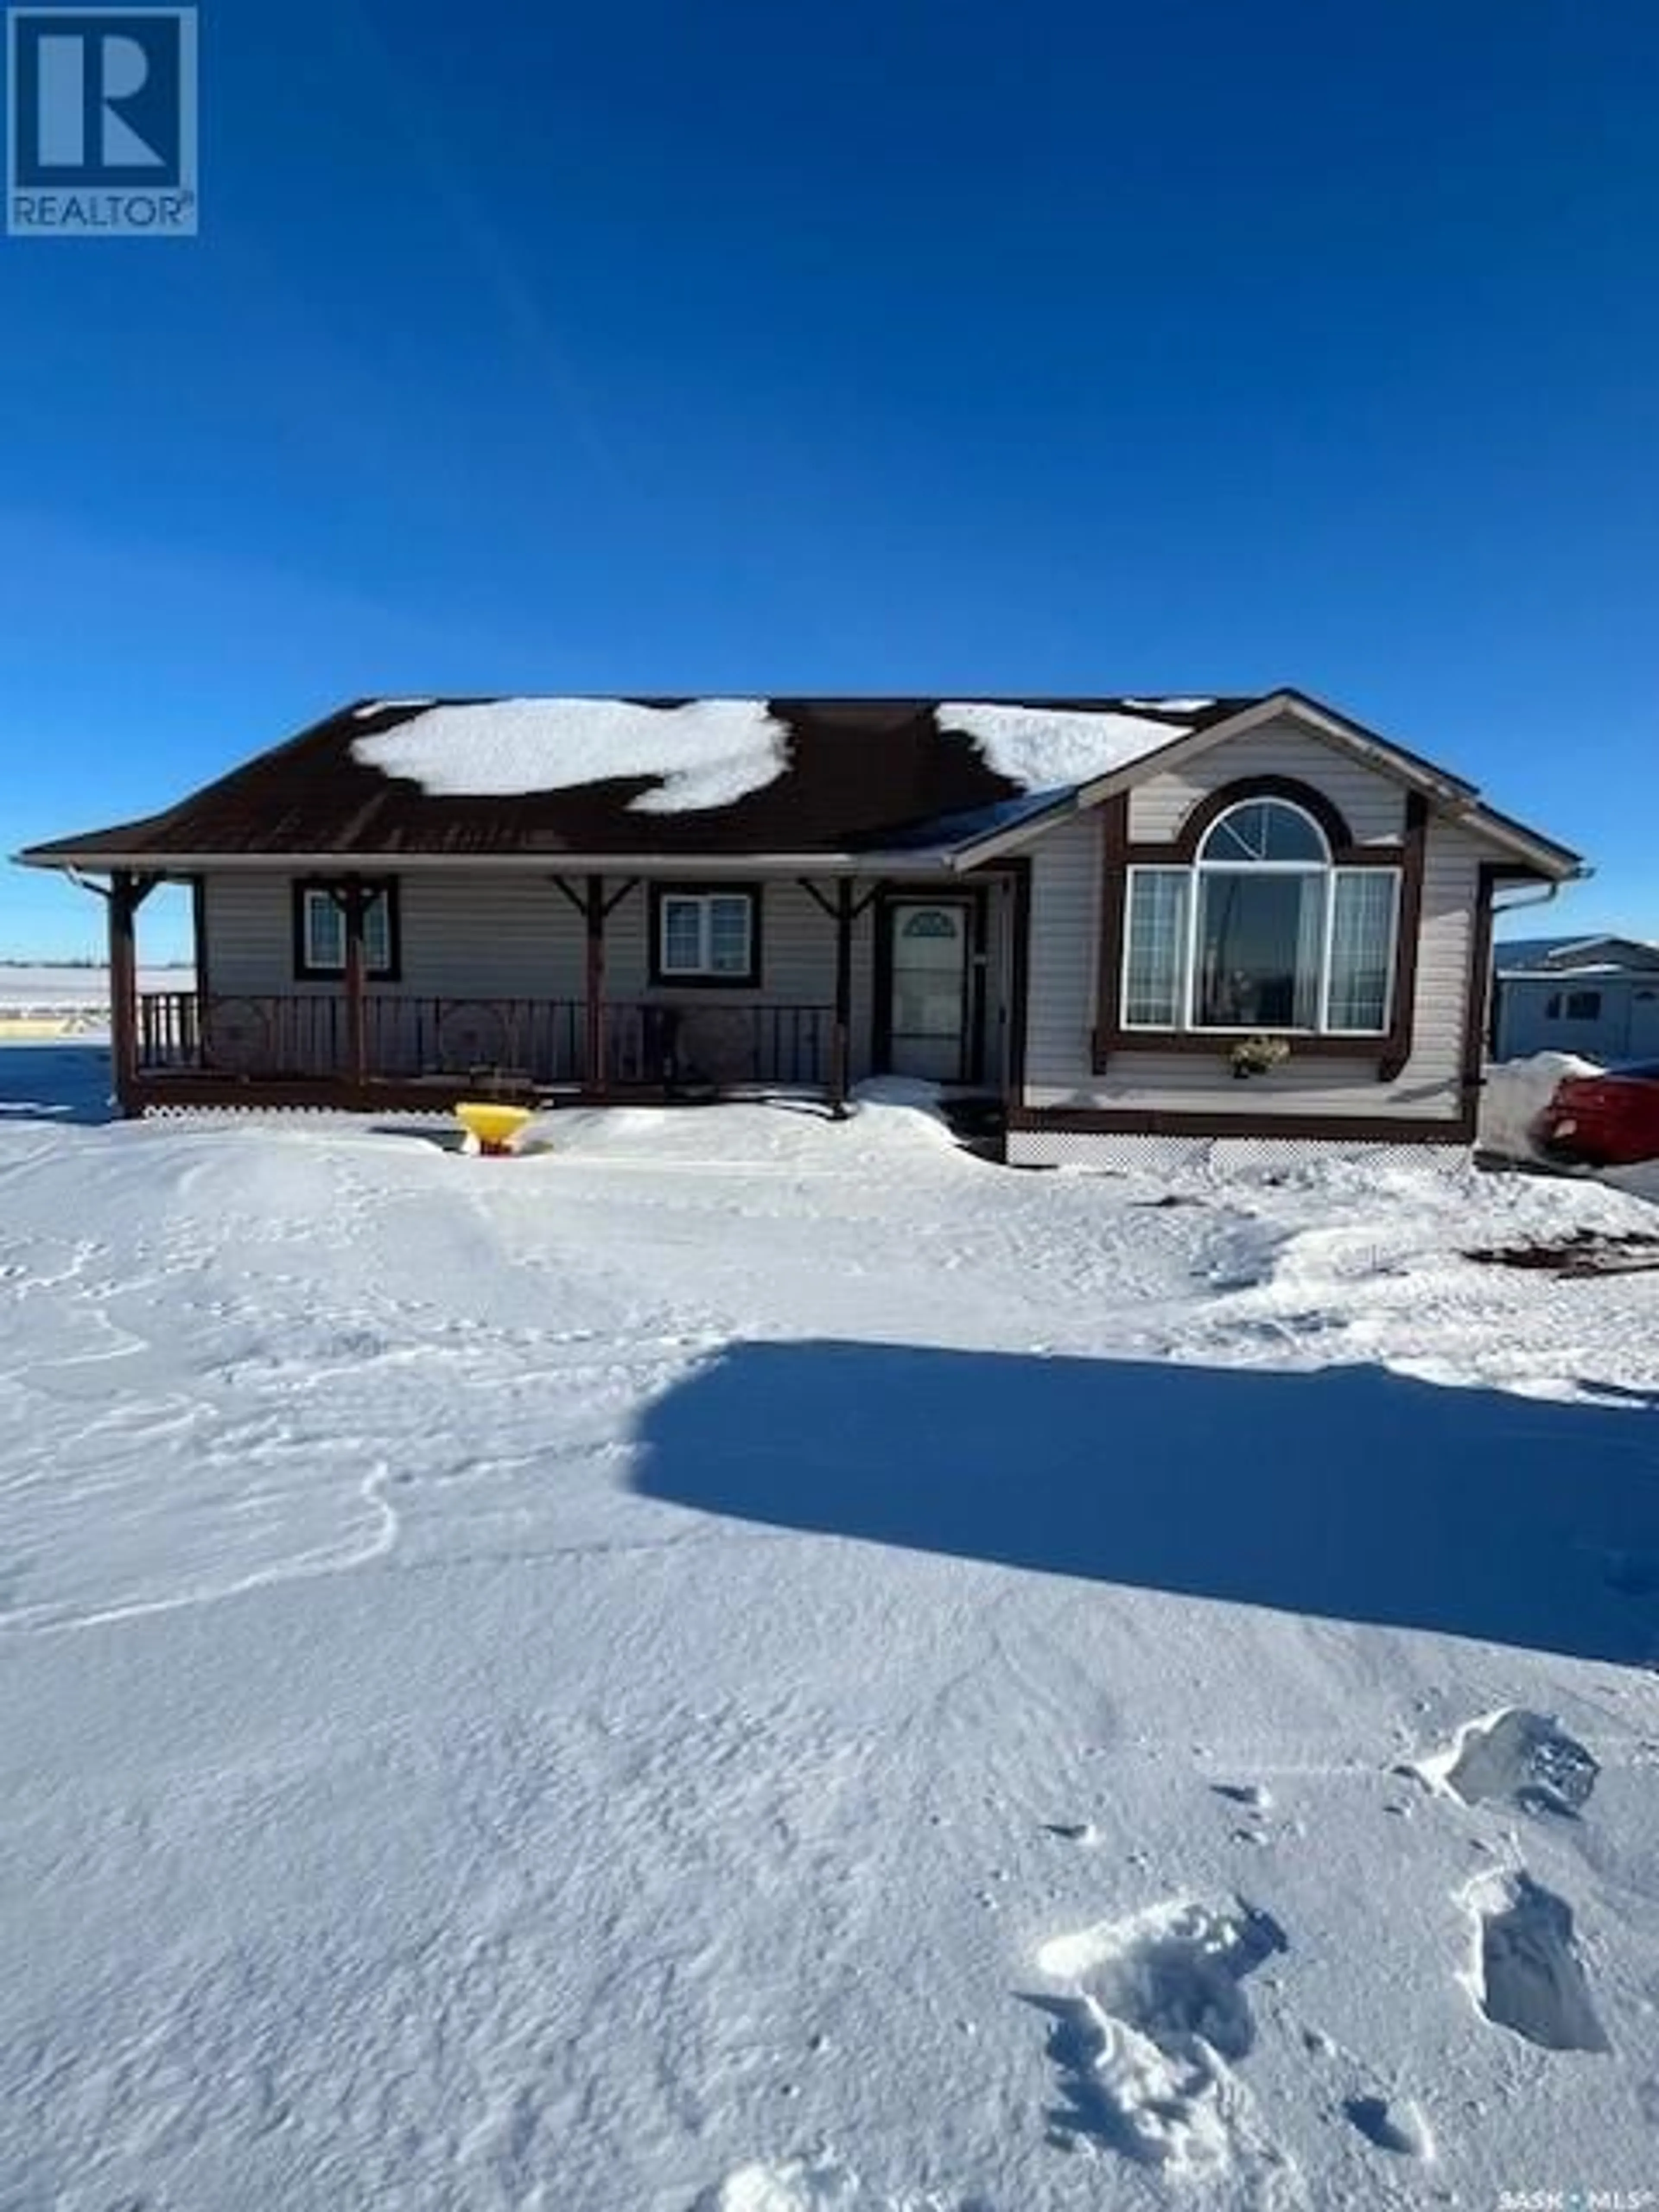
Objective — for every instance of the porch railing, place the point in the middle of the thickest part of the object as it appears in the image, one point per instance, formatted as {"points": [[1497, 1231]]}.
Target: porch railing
{"points": [[541, 1041]]}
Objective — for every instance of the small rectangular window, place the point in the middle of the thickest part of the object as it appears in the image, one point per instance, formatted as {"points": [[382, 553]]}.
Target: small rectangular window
{"points": [[707, 937], [682, 936], [320, 945], [1363, 901], [1155, 952], [325, 938], [1584, 1006]]}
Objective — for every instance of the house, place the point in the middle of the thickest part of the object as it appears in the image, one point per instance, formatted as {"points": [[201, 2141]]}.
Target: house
{"points": [[1104, 913], [1595, 996]]}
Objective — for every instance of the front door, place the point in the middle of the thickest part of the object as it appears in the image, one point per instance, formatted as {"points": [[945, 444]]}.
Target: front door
{"points": [[929, 948]]}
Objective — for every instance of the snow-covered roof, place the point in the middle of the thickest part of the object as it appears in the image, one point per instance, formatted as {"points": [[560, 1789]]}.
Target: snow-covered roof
{"points": [[717, 782], [704, 754], [720, 778], [1577, 956], [1058, 749]]}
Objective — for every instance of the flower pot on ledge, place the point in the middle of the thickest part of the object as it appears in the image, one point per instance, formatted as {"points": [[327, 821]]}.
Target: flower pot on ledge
{"points": [[1257, 1056]]}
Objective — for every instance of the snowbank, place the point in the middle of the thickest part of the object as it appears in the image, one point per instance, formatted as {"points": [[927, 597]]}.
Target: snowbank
{"points": [[49, 1003], [1517, 1093]]}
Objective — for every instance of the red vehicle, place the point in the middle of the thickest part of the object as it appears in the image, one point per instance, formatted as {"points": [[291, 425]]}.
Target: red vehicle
{"points": [[1605, 1120]]}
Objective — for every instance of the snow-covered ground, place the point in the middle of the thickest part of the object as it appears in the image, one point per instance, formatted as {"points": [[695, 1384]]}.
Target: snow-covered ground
{"points": [[75, 998], [740, 1663]]}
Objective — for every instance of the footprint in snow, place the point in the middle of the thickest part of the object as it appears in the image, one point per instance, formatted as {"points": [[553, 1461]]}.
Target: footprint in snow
{"points": [[1527, 1974], [1145, 2041], [1394, 2124], [1525, 1757], [1250, 1795], [815, 2183]]}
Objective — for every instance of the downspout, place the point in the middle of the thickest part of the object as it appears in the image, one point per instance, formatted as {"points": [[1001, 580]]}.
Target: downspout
{"points": [[1539, 895]]}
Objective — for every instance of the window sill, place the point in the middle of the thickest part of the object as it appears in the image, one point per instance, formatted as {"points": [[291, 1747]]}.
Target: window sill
{"points": [[677, 980], [1370, 1045], [371, 976], [1327, 1043]]}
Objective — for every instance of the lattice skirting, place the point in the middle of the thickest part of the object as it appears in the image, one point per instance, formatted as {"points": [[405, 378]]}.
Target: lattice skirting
{"points": [[1075, 1148], [228, 1112]]}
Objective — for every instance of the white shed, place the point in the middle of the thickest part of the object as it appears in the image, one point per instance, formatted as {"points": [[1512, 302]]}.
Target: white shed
{"points": [[1595, 996]]}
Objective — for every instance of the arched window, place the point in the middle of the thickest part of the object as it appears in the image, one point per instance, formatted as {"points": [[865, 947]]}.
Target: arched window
{"points": [[1265, 931], [1265, 833]]}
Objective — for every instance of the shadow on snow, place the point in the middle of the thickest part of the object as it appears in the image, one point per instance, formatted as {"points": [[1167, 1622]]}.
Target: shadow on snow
{"points": [[1347, 1494], [56, 1082]]}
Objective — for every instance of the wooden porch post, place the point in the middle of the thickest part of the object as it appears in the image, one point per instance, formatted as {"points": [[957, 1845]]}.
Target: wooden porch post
{"points": [[841, 1044], [354, 905], [195, 1029], [594, 913], [123, 906]]}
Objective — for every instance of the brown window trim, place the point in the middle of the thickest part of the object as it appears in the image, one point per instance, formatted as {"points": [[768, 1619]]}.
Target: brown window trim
{"points": [[672, 979], [1391, 1049], [1477, 1013], [1402, 1022], [336, 886], [1209, 809]]}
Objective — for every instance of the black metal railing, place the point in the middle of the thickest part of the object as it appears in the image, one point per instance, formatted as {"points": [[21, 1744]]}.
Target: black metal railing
{"points": [[645, 1043], [687, 1046]]}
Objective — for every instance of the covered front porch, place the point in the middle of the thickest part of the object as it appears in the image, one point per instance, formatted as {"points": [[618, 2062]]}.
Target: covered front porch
{"points": [[828, 980]]}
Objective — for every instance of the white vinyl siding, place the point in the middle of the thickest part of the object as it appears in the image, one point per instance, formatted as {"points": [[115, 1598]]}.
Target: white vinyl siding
{"points": [[469, 934], [1372, 806], [1065, 950]]}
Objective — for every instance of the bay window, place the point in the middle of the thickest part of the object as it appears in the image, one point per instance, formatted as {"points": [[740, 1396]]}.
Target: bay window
{"points": [[1264, 931]]}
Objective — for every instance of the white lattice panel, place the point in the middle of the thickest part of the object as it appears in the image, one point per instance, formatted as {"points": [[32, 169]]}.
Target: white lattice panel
{"points": [[1073, 1148]]}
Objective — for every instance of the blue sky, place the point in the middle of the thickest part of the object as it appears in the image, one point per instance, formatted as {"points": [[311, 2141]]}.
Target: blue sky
{"points": [[890, 345]]}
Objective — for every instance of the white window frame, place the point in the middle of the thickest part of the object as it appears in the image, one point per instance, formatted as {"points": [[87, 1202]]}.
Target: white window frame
{"points": [[1396, 880], [1198, 870], [705, 971], [315, 897]]}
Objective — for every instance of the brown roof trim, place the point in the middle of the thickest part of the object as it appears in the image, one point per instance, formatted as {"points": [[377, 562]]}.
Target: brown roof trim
{"points": [[182, 866]]}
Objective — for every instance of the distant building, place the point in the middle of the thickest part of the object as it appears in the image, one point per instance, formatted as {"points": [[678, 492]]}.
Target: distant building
{"points": [[1596, 996]]}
